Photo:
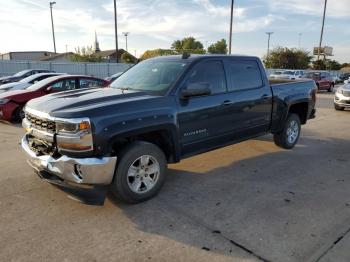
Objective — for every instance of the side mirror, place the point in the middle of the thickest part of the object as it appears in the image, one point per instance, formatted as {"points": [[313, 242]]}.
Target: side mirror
{"points": [[49, 89], [196, 89], [346, 82]]}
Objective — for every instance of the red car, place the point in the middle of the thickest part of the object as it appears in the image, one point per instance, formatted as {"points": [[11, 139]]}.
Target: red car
{"points": [[12, 103], [323, 80]]}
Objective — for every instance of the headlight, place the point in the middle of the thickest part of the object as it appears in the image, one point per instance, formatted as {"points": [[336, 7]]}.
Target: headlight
{"points": [[4, 101], [340, 91], [74, 135]]}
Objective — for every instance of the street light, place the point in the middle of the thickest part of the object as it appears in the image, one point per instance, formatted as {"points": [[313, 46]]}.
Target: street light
{"points": [[324, 17], [116, 29], [231, 22], [268, 43], [53, 29], [126, 40], [299, 40]]}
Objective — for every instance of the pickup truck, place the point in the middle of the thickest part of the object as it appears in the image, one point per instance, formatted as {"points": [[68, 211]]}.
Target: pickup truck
{"points": [[160, 111]]}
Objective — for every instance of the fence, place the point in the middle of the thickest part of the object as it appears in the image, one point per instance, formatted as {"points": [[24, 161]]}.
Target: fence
{"points": [[102, 70], [270, 71]]}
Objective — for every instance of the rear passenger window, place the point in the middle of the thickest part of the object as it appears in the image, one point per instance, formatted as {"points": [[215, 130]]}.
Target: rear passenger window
{"points": [[243, 75], [211, 72]]}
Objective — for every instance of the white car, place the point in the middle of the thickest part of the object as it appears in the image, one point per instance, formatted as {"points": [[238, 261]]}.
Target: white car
{"points": [[292, 74], [276, 74], [26, 82]]}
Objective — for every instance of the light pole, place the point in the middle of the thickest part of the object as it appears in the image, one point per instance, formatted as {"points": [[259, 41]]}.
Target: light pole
{"points": [[231, 22], [126, 40], [116, 29], [53, 29], [299, 40], [324, 17], [268, 43]]}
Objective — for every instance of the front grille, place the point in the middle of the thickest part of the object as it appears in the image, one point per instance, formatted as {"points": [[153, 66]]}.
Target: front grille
{"points": [[346, 93], [41, 147], [41, 124]]}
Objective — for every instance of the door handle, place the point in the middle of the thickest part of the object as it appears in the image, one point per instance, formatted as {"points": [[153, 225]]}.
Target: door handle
{"points": [[227, 103], [265, 97]]}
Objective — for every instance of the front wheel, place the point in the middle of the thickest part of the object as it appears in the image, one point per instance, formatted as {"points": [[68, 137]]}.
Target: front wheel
{"points": [[331, 87], [290, 134], [18, 115], [140, 173]]}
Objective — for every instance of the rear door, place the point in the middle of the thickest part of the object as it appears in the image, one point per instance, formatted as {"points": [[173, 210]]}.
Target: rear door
{"points": [[250, 97]]}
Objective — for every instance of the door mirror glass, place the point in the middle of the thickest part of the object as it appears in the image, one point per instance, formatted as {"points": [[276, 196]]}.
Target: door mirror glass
{"points": [[196, 89]]}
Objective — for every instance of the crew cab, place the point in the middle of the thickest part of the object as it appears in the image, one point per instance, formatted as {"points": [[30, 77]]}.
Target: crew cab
{"points": [[160, 111], [13, 102]]}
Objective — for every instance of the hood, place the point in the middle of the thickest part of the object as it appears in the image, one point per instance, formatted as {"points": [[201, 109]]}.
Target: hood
{"points": [[14, 86], [19, 96], [79, 103]]}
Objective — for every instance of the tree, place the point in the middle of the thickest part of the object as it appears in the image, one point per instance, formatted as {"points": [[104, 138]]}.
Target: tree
{"points": [[189, 45], [326, 64], [156, 52], [128, 58], [220, 47], [283, 57], [85, 54]]}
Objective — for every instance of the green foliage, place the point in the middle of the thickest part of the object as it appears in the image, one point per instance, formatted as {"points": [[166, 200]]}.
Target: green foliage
{"points": [[283, 57], [128, 58], [157, 52], [220, 47], [326, 65], [188, 45], [85, 54]]}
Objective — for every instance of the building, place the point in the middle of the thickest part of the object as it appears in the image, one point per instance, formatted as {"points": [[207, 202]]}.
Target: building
{"points": [[26, 55], [63, 57], [109, 55]]}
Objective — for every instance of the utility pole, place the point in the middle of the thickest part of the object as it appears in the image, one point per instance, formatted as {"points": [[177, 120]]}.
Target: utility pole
{"points": [[231, 22], [299, 40], [324, 17], [53, 29], [268, 43], [116, 30], [126, 40]]}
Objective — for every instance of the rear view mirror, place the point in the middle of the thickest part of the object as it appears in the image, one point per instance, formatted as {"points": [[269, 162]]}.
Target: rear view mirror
{"points": [[196, 89]]}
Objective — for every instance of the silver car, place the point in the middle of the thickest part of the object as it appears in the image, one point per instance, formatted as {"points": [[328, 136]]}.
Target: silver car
{"points": [[342, 97]]}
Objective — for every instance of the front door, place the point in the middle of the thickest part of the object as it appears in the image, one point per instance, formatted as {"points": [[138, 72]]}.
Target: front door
{"points": [[206, 118]]}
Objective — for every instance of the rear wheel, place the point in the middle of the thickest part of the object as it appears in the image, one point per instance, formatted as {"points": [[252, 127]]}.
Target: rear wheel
{"points": [[18, 115], [331, 87], [140, 173], [340, 108], [290, 134]]}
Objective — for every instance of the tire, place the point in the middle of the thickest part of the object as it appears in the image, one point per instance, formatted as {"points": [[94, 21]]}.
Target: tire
{"points": [[290, 134], [331, 87], [339, 108], [18, 114], [129, 183]]}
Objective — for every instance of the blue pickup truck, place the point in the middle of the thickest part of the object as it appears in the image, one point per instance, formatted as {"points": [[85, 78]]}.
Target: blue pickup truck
{"points": [[160, 111]]}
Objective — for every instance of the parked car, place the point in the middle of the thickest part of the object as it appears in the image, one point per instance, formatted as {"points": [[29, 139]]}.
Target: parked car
{"points": [[276, 74], [342, 97], [323, 80], [26, 82], [344, 76], [22, 74], [111, 78], [158, 112], [13, 102], [292, 74]]}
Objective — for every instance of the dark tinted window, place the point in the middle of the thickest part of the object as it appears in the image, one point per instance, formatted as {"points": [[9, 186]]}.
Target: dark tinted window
{"points": [[211, 72], [86, 83], [243, 75], [67, 84]]}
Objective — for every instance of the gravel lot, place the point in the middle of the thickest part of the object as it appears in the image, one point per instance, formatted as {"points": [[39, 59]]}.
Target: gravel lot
{"points": [[249, 202]]}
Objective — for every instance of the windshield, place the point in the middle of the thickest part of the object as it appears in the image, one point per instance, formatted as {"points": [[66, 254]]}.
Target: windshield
{"points": [[42, 83], [151, 76], [21, 73], [288, 72], [312, 75]]}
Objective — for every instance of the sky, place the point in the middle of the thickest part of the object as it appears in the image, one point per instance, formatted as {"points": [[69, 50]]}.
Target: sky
{"points": [[25, 24]]}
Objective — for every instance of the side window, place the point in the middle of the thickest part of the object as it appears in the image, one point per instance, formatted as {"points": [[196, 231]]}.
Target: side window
{"points": [[243, 75], [86, 83], [38, 79], [211, 72], [67, 84]]}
